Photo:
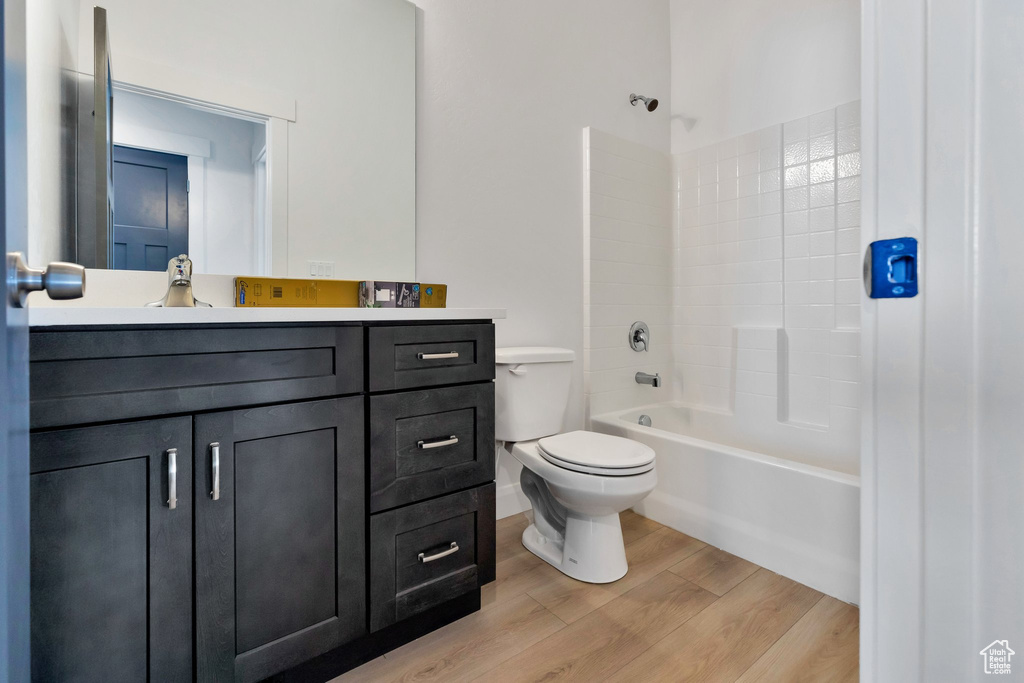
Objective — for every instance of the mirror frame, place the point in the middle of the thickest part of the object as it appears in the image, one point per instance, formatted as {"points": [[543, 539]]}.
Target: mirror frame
{"points": [[94, 236]]}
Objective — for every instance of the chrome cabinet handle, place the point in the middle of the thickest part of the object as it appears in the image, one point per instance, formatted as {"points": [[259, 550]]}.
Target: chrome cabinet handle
{"points": [[215, 462], [438, 443], [454, 548], [172, 478], [437, 356]]}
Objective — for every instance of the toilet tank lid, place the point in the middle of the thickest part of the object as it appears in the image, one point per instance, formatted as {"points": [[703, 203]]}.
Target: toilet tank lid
{"points": [[514, 355]]}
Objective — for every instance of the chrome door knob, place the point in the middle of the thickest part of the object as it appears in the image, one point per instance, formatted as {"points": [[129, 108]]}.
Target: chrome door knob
{"points": [[59, 280]]}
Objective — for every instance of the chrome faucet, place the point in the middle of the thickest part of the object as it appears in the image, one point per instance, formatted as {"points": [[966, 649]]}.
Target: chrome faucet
{"points": [[644, 378], [179, 286]]}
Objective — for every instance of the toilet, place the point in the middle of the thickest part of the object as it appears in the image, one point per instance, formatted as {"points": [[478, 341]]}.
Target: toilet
{"points": [[578, 482]]}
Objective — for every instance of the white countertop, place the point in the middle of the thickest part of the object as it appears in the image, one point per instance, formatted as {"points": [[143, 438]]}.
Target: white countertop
{"points": [[51, 316]]}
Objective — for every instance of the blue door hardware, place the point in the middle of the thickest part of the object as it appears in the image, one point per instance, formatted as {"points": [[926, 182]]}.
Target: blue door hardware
{"points": [[890, 269]]}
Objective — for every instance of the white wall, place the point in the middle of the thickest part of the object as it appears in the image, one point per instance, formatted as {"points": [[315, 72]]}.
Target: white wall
{"points": [[348, 66], [225, 242], [504, 92], [743, 65], [51, 44]]}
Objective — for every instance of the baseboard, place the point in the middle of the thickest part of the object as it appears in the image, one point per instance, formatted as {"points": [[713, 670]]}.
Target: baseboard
{"points": [[510, 500], [785, 555]]}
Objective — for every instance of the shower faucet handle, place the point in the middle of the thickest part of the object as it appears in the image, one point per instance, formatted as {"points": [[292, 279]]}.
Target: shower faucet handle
{"points": [[639, 336]]}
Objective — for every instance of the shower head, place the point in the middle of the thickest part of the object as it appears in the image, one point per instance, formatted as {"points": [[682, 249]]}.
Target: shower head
{"points": [[650, 102]]}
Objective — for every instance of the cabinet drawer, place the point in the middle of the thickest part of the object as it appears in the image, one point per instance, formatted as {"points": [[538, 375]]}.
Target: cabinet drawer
{"points": [[431, 442], [94, 376], [428, 553], [428, 355]]}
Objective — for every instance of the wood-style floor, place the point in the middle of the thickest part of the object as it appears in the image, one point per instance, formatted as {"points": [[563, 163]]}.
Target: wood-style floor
{"points": [[685, 611]]}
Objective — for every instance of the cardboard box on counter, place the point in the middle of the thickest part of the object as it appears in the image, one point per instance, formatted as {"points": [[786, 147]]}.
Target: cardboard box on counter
{"points": [[376, 294], [291, 293], [386, 294], [407, 295], [433, 296]]}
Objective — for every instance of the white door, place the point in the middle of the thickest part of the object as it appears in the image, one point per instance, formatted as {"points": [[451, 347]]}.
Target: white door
{"points": [[943, 438], [14, 586], [61, 281]]}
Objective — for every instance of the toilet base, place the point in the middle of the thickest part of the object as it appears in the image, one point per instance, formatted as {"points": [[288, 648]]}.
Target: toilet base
{"points": [[592, 549]]}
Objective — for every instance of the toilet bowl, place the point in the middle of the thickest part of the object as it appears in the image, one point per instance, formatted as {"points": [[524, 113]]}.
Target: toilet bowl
{"points": [[577, 482], [576, 513]]}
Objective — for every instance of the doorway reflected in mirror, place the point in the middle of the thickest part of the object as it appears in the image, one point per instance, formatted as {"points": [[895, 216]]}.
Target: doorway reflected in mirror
{"points": [[188, 179]]}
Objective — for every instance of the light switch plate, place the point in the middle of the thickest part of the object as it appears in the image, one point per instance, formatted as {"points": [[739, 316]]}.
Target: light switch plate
{"points": [[324, 269]]}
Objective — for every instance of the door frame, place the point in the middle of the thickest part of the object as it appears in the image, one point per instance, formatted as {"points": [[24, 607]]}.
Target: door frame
{"points": [[263, 238], [922, 510], [890, 581]]}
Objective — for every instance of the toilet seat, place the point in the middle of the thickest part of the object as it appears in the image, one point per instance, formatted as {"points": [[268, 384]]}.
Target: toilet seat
{"points": [[584, 469], [600, 454]]}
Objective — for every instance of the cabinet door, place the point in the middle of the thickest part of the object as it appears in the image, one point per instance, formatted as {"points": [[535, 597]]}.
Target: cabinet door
{"points": [[280, 536], [111, 556]]}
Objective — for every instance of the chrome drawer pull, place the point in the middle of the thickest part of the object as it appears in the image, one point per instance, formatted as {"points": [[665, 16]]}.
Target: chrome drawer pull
{"points": [[444, 553], [215, 450], [172, 478], [438, 443], [437, 356]]}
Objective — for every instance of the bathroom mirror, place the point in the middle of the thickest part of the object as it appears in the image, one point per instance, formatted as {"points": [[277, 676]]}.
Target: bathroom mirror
{"points": [[259, 137]]}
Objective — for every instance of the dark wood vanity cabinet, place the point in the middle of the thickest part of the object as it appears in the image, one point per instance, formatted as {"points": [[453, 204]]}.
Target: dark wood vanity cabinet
{"points": [[230, 503]]}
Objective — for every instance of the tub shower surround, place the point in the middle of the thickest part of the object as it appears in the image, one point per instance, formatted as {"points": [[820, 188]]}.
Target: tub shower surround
{"points": [[752, 296], [767, 314], [756, 287]]}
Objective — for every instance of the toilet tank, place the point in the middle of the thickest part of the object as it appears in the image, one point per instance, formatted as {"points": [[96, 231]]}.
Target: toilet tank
{"points": [[531, 391]]}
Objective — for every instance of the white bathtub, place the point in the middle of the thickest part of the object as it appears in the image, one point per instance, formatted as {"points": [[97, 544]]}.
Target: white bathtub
{"points": [[795, 519]]}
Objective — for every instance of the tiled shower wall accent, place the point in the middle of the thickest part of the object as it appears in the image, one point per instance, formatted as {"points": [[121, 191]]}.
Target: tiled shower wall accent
{"points": [[768, 284], [821, 194], [627, 270], [729, 272]]}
